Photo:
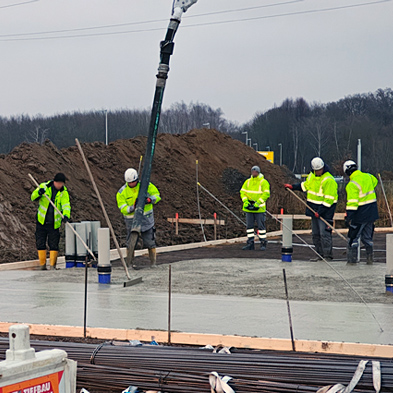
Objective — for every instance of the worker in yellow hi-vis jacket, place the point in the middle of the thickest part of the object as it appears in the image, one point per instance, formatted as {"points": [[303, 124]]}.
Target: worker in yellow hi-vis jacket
{"points": [[48, 219], [254, 194]]}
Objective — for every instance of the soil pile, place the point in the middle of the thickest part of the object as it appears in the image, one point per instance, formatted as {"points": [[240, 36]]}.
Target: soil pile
{"points": [[223, 165]]}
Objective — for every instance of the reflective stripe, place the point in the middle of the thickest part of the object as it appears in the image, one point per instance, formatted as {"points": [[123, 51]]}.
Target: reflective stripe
{"points": [[352, 208], [315, 193], [121, 207], [314, 201], [250, 191], [329, 197], [367, 202], [144, 213]]}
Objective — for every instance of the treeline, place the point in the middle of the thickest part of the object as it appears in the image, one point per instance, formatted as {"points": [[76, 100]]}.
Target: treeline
{"points": [[304, 130], [328, 130], [122, 124]]}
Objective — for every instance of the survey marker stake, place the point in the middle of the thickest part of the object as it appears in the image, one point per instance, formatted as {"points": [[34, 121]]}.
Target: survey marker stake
{"points": [[178, 8], [289, 310], [126, 283]]}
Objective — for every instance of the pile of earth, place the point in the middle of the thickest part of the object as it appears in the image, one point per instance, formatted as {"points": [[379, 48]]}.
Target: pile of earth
{"points": [[223, 165]]}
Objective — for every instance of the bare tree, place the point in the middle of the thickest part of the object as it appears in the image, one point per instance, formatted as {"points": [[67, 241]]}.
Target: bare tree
{"points": [[37, 135]]}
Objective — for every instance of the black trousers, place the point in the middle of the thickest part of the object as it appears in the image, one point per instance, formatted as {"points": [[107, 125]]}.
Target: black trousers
{"points": [[47, 232]]}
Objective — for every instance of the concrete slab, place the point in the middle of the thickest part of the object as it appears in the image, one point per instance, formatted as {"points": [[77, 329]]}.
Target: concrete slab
{"points": [[57, 297]]}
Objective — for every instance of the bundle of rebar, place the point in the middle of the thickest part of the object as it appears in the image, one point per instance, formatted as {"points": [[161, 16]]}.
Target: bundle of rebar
{"points": [[109, 367]]}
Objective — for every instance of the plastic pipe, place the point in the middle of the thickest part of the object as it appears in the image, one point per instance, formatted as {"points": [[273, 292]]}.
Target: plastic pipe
{"points": [[389, 264], [287, 247], [104, 267], [70, 246]]}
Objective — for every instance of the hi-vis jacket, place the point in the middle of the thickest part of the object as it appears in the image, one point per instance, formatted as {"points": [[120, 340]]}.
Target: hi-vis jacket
{"points": [[127, 196], [361, 198], [255, 189], [62, 202], [321, 194]]}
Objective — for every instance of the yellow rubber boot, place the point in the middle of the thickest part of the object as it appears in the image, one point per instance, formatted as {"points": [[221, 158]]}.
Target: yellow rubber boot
{"points": [[42, 258], [153, 257], [53, 259]]}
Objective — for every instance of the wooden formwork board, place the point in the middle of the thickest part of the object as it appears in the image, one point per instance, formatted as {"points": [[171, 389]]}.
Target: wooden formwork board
{"points": [[328, 347]]}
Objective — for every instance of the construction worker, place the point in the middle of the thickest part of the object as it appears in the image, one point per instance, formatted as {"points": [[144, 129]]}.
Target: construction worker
{"points": [[321, 188], [254, 194], [126, 200], [361, 211], [48, 219]]}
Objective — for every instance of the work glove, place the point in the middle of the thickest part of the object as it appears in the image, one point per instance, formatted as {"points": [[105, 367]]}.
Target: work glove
{"points": [[251, 207], [316, 215], [289, 186], [148, 200], [41, 191], [130, 209], [65, 219]]}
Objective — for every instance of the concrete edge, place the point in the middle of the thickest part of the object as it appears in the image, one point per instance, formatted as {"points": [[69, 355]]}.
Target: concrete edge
{"points": [[328, 347], [179, 247]]}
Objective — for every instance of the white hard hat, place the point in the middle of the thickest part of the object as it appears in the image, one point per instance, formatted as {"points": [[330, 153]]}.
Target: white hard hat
{"points": [[317, 163], [349, 166], [130, 175]]}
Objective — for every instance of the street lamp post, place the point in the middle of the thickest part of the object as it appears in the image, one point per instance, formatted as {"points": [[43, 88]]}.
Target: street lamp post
{"points": [[207, 125], [106, 126], [280, 144], [246, 133], [268, 148], [256, 146]]}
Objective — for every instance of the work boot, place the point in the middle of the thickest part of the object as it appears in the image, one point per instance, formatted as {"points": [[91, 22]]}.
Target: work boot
{"points": [[153, 257], [263, 245], [131, 263], [352, 256], [42, 259], [53, 259], [370, 255], [249, 245], [316, 259]]}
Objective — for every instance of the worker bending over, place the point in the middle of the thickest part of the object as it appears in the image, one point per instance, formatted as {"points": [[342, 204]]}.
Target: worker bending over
{"points": [[254, 194], [321, 188], [48, 219], [126, 200], [362, 211]]}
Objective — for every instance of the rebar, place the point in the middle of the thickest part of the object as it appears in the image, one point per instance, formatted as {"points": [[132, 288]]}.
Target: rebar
{"points": [[177, 369]]}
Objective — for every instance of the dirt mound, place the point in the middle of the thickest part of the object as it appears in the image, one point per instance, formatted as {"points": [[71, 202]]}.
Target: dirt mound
{"points": [[223, 165]]}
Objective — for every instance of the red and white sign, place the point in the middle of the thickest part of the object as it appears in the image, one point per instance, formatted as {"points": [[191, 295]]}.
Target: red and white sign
{"points": [[47, 384]]}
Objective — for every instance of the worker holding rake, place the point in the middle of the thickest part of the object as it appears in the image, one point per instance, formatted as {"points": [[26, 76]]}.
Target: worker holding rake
{"points": [[321, 188], [48, 219]]}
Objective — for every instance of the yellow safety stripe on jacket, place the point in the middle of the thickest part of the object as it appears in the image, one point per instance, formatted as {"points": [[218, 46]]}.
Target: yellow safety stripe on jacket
{"points": [[361, 190], [127, 196], [256, 189], [321, 190], [62, 202]]}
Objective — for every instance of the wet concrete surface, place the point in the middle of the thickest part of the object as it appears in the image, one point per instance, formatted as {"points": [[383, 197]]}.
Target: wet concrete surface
{"points": [[57, 297]]}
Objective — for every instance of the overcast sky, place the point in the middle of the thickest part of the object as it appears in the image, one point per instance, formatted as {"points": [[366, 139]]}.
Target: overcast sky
{"points": [[242, 67]]}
